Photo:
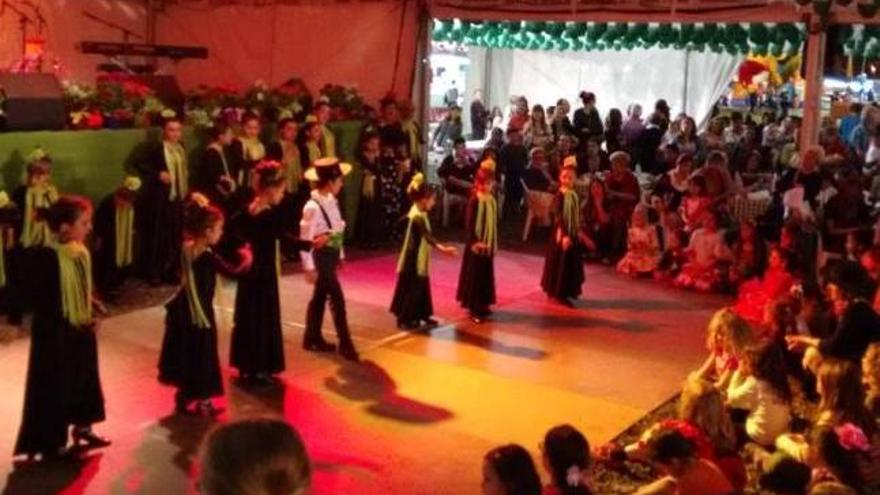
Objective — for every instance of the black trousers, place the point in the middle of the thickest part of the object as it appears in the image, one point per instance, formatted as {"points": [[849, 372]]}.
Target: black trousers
{"points": [[327, 286]]}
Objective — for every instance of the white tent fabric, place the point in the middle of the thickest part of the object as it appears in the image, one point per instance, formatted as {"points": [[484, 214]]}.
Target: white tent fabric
{"points": [[689, 81]]}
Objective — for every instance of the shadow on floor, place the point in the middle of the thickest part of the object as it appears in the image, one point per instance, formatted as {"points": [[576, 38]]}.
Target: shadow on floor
{"points": [[70, 476], [574, 321], [455, 334], [175, 439], [368, 382], [635, 305]]}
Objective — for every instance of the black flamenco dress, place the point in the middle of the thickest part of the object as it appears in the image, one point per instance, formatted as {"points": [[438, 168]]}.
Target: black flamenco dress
{"points": [[476, 282], [564, 269], [159, 212], [257, 347], [63, 386], [412, 294], [114, 243], [188, 359]]}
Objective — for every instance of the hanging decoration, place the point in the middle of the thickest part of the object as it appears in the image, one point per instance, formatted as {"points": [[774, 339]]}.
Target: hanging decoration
{"points": [[861, 41], [757, 38]]}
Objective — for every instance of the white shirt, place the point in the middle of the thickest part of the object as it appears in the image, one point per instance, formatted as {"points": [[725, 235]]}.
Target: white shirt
{"points": [[313, 223], [769, 414]]}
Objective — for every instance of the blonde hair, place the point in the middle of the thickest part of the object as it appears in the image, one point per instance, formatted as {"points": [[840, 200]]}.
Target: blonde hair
{"points": [[729, 327], [831, 488], [255, 457], [703, 405], [842, 398], [871, 366]]}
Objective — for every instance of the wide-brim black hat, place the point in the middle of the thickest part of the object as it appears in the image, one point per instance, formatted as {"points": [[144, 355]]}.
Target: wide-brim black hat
{"points": [[326, 169]]}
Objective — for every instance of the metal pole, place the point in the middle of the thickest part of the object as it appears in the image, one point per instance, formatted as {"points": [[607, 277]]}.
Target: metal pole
{"points": [[815, 63], [685, 86]]}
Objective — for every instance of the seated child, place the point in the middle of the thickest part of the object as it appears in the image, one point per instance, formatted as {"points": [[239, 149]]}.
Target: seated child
{"points": [[727, 338], [643, 246], [696, 204], [672, 243], [756, 294], [760, 386], [748, 255], [705, 251]]}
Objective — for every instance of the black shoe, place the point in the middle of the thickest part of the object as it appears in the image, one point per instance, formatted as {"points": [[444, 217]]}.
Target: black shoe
{"points": [[88, 439], [565, 302], [349, 353], [319, 346]]}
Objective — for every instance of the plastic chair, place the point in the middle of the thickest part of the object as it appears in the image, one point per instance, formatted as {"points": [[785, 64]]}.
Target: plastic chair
{"points": [[538, 204], [450, 200]]}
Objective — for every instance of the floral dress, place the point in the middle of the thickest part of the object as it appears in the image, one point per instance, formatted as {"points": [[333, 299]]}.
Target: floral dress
{"points": [[643, 253]]}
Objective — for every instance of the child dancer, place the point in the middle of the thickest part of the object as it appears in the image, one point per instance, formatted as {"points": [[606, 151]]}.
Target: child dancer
{"points": [[322, 224], [476, 282], [257, 349], [643, 253], [63, 384], [563, 263], [165, 176], [38, 193], [114, 236], [188, 359], [247, 150], [412, 295]]}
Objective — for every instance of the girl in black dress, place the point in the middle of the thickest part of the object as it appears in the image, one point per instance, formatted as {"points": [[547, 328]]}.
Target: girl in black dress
{"points": [[113, 240], [214, 177], [165, 177], [246, 151], [563, 263], [476, 282], [31, 230], [188, 359], [412, 295], [284, 150], [63, 385], [257, 348], [371, 229]]}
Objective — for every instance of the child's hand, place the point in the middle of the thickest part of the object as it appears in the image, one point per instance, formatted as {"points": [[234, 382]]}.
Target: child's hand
{"points": [[311, 276], [320, 241], [566, 243], [479, 248], [448, 250], [165, 177], [247, 258]]}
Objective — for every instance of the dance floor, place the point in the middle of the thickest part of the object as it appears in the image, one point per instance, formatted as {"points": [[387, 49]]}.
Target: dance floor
{"points": [[417, 415]]}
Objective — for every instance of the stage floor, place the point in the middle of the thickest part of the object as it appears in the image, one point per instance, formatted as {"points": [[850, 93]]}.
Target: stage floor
{"points": [[420, 411]]}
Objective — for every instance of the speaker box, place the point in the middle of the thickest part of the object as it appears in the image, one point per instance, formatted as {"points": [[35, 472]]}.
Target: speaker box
{"points": [[32, 102], [167, 90]]}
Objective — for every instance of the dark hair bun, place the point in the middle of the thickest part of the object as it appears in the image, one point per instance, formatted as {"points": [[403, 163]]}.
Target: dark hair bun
{"points": [[199, 214], [65, 211], [268, 174]]}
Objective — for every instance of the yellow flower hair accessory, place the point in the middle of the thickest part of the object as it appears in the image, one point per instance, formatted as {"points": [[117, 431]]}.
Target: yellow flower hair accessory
{"points": [[168, 113], [416, 182], [4, 199], [201, 200], [311, 119], [570, 162], [132, 183], [36, 155], [488, 164]]}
